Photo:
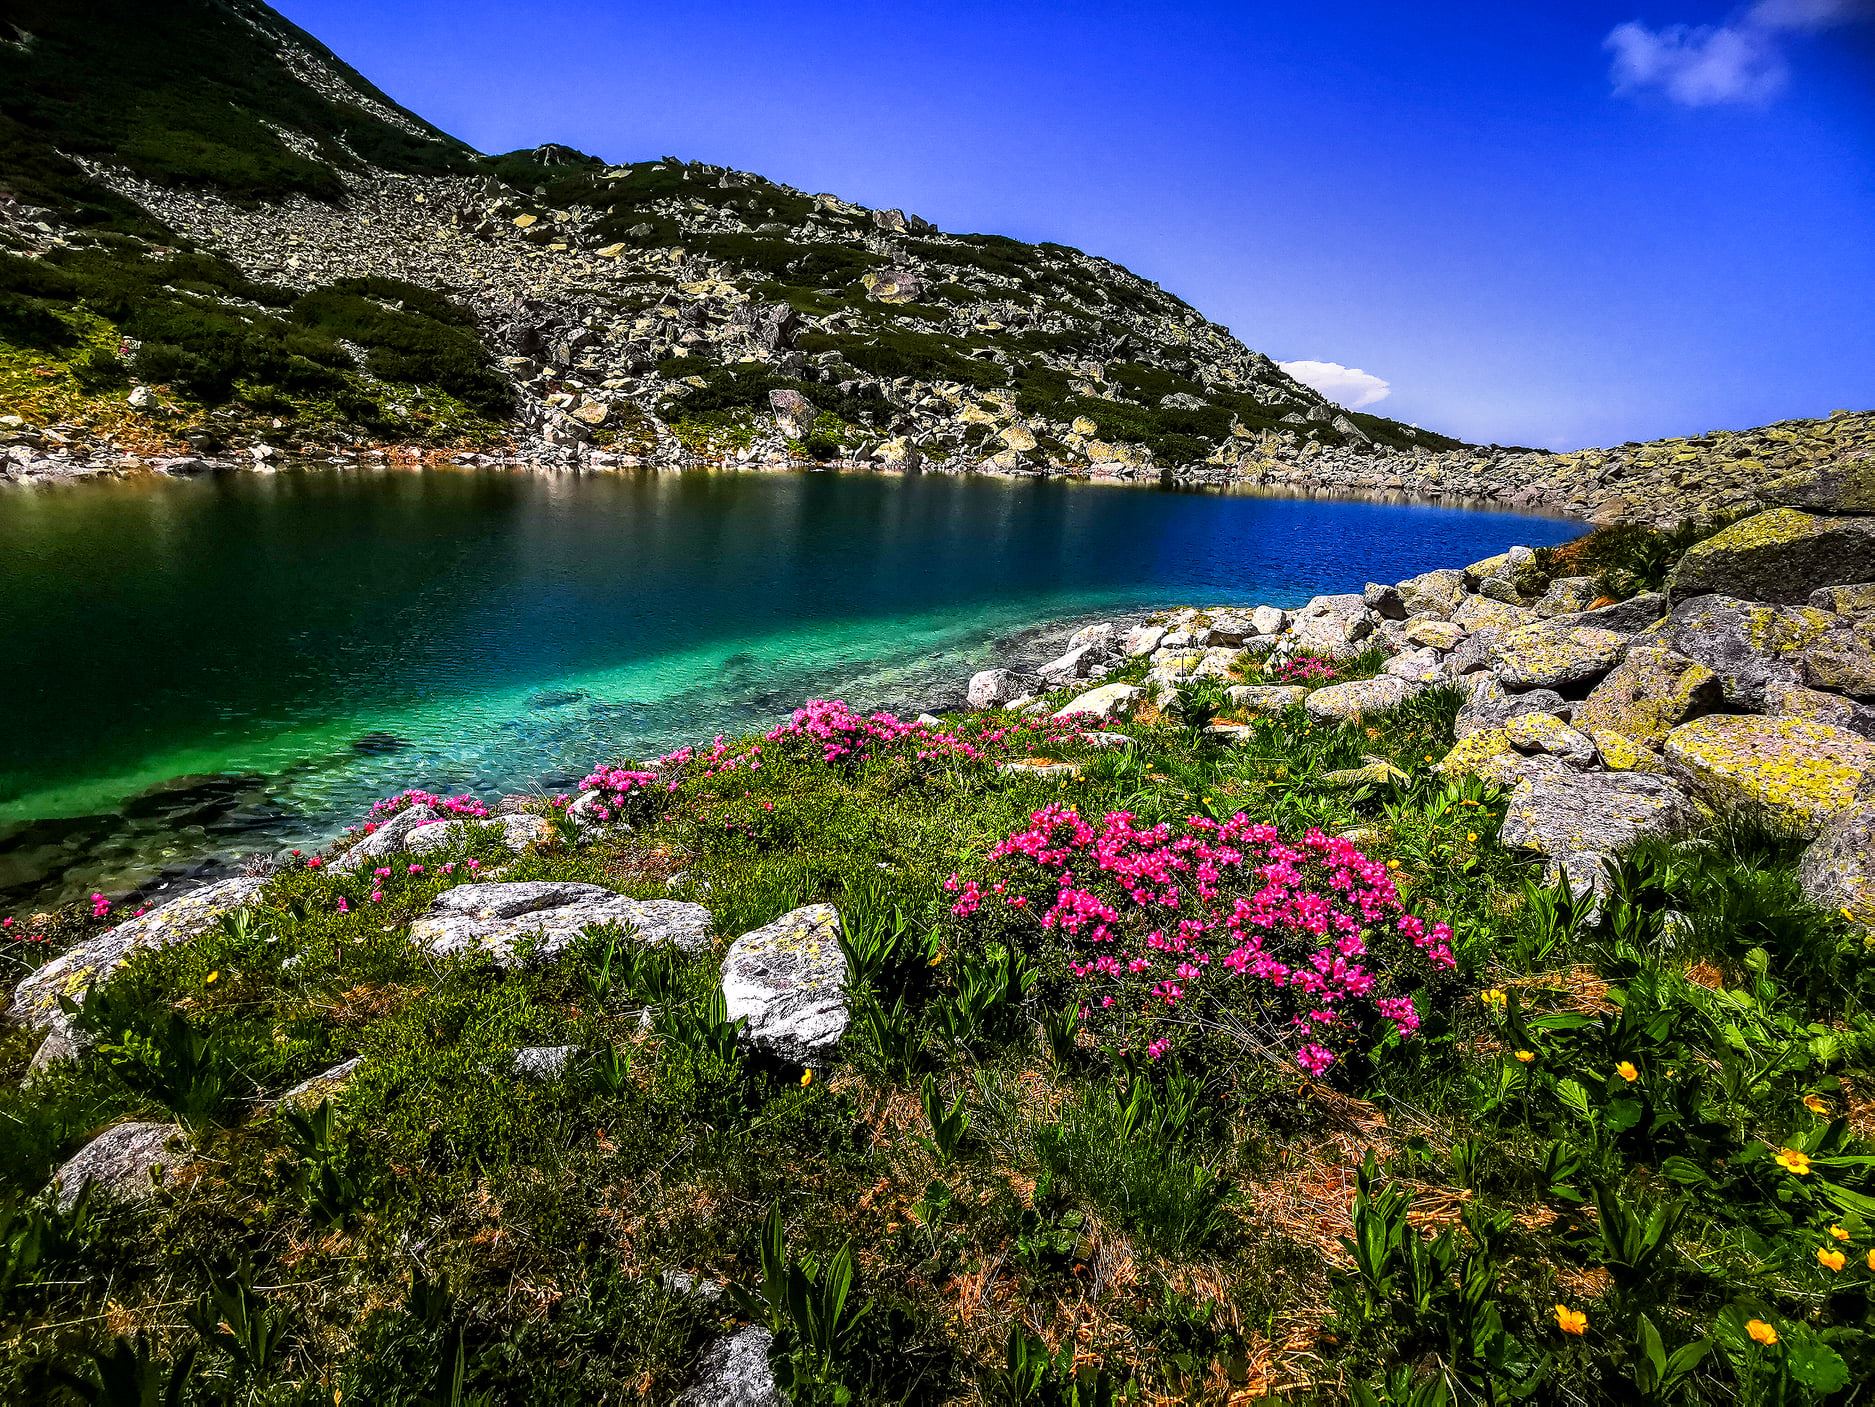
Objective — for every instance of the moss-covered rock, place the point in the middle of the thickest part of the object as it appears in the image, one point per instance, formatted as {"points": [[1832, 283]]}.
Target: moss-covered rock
{"points": [[1791, 770], [1555, 656], [1650, 693], [1546, 733], [1749, 645], [1779, 555]]}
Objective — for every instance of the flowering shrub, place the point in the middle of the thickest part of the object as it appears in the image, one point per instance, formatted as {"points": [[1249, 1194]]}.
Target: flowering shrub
{"points": [[1303, 669], [1305, 946], [467, 807], [624, 793]]}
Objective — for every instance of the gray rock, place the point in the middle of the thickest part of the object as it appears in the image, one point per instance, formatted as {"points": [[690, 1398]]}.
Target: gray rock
{"points": [[1332, 626], [1107, 703], [1624, 617], [1229, 628], [1779, 555], [126, 1161], [543, 1062], [1843, 660], [1554, 655], [1343, 703], [1080, 662], [1546, 733], [1269, 620], [1101, 635], [1142, 640], [1384, 601], [1436, 593], [1428, 632], [388, 839], [1837, 870], [1580, 820], [1482, 613], [1748, 645], [788, 979], [1488, 705], [1422, 666], [1795, 701], [1567, 595], [794, 413], [324, 1083], [1650, 693], [498, 917], [516, 832], [995, 688], [734, 1372], [1857, 600], [1265, 698], [75, 972]]}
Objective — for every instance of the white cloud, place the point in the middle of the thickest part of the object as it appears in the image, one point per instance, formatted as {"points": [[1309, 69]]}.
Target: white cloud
{"points": [[1346, 386], [1741, 61]]}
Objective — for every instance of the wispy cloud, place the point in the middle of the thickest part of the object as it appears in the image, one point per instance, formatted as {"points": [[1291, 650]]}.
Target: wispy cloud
{"points": [[1740, 61], [1346, 386]]}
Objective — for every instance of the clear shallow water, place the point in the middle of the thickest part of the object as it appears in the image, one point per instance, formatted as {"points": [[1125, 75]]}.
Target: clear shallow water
{"points": [[228, 664]]}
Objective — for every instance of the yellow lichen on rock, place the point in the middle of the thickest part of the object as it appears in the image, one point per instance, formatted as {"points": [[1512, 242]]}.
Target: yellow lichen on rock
{"points": [[1792, 769]]}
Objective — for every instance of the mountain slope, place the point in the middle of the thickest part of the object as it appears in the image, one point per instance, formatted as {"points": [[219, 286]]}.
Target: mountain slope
{"points": [[210, 213]]}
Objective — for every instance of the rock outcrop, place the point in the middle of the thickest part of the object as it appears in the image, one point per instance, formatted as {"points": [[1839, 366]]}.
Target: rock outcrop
{"points": [[788, 981], [498, 918]]}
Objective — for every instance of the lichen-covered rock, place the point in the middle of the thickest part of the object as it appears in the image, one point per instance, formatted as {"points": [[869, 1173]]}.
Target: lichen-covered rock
{"points": [[1384, 601], [1107, 703], [1855, 601], [1490, 756], [76, 971], [788, 980], [734, 1372], [1566, 595], [1843, 660], [515, 832], [1356, 699], [388, 838], [1779, 555], [1545, 732], [1373, 772], [1499, 566], [1101, 635], [1489, 705], [1580, 820], [1620, 753], [1627, 617], [1427, 632], [1435, 593], [1650, 693], [498, 918], [543, 1062], [127, 1161], [1796, 701], [1080, 662], [1553, 655], [1482, 613], [1837, 871], [1840, 484], [1265, 698], [1422, 666], [1141, 640], [995, 688], [1750, 646], [1176, 666], [1792, 770]]}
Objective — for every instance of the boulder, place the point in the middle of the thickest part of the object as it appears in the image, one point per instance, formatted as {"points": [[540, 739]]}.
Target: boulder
{"points": [[1499, 567], [1795, 701], [1546, 733], [1842, 660], [1173, 667], [1332, 626], [1779, 555], [1748, 645], [1791, 770], [995, 688], [1627, 617], [1421, 666], [1567, 595], [788, 980], [76, 971], [1482, 613], [1856, 601], [516, 832], [1650, 693], [1581, 820], [497, 918], [1384, 601], [1101, 634], [1845, 485], [1269, 620], [1229, 628], [1107, 703], [1142, 640], [794, 413], [324, 1084], [1436, 593], [1489, 705], [1837, 870], [387, 839], [1620, 753], [1265, 698], [1080, 662], [734, 1372], [126, 1161], [1429, 633], [1350, 702], [1551, 655], [1490, 756]]}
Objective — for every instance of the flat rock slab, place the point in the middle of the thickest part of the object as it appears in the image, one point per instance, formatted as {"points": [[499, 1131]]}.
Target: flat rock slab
{"points": [[1552, 655], [1029, 767], [1108, 703], [75, 972], [498, 917], [324, 1084], [515, 832], [788, 980], [126, 1161], [1793, 770], [734, 1372], [1265, 698], [1346, 703], [1581, 819]]}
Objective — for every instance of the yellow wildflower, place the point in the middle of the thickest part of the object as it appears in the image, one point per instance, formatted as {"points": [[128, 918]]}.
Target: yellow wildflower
{"points": [[1571, 1321], [212, 977], [1627, 1071], [1493, 996], [1871, 1260], [1793, 1161], [1839, 1233], [1814, 1103], [1471, 837], [807, 1078], [1761, 1332], [1524, 1057], [1828, 1259]]}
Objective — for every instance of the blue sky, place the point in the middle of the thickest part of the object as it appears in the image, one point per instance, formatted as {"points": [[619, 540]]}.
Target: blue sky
{"points": [[1550, 224]]}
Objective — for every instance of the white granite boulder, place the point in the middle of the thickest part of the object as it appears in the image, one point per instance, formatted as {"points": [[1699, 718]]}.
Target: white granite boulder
{"points": [[1350, 702], [126, 1161], [788, 980], [498, 917]]}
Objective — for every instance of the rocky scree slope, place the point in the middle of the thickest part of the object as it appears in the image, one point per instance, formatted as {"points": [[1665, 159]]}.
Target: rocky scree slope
{"points": [[230, 238]]}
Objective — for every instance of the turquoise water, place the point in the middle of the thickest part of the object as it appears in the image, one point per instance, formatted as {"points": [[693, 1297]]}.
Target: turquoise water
{"points": [[195, 668]]}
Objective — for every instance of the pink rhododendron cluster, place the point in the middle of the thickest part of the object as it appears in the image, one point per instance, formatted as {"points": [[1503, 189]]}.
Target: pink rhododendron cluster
{"points": [[1308, 943], [465, 806], [1304, 669]]}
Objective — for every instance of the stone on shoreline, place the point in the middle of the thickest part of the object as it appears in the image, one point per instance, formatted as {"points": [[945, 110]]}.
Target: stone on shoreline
{"points": [[1108, 703], [995, 688]]}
